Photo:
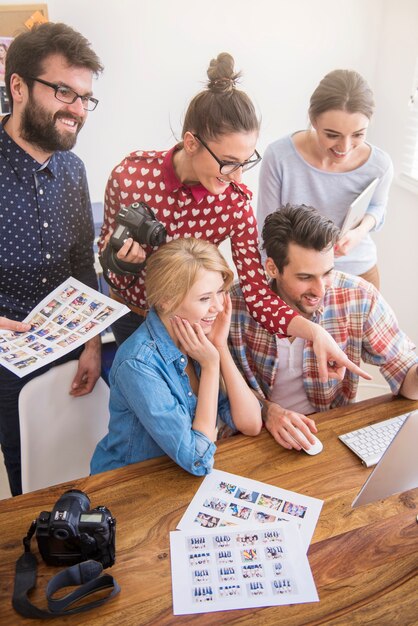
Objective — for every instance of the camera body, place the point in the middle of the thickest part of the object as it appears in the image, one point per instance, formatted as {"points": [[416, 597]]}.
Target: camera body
{"points": [[139, 222], [72, 532]]}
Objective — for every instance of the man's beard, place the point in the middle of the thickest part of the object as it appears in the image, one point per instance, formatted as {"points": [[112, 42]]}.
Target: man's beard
{"points": [[38, 128]]}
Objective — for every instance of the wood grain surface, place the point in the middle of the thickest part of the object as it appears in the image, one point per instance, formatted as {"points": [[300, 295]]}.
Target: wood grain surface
{"points": [[364, 560]]}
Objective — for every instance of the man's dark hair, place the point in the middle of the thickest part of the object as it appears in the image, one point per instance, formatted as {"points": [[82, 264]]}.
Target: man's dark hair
{"points": [[27, 53], [302, 225]]}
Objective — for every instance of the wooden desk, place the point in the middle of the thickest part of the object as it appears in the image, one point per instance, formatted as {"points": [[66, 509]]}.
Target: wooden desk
{"points": [[364, 561]]}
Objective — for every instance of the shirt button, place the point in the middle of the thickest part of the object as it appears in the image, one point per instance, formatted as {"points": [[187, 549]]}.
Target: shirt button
{"points": [[48, 256], [190, 394], [44, 280], [45, 224], [182, 359], [41, 192], [197, 463]]}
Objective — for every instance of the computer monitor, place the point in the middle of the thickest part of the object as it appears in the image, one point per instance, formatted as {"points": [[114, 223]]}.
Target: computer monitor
{"points": [[397, 470]]}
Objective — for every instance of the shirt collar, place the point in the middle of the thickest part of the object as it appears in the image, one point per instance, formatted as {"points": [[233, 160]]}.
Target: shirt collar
{"points": [[173, 183], [164, 342], [23, 163]]}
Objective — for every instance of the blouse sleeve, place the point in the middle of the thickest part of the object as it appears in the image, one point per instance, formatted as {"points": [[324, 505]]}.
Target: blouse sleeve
{"points": [[113, 202], [264, 305], [377, 206], [111, 206]]}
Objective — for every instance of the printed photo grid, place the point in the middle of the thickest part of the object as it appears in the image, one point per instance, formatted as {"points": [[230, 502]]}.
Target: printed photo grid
{"points": [[68, 317], [226, 500], [239, 568]]}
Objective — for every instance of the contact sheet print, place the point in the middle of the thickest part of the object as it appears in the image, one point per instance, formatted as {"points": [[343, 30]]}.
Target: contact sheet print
{"points": [[228, 568], [225, 500], [68, 317]]}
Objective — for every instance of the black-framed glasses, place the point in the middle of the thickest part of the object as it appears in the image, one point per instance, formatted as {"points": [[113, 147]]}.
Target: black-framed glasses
{"points": [[68, 95], [228, 167]]}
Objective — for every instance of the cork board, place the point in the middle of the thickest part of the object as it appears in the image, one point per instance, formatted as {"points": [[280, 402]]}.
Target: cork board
{"points": [[15, 18]]}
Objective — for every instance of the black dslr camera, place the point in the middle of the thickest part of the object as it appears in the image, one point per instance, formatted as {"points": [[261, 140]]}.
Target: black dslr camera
{"points": [[72, 533], [139, 222]]}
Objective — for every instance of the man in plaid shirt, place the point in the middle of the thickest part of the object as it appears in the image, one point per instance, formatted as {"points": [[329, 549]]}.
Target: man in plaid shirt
{"points": [[299, 243]]}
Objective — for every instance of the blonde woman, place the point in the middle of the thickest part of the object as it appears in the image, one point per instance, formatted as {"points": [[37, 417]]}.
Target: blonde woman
{"points": [[165, 395]]}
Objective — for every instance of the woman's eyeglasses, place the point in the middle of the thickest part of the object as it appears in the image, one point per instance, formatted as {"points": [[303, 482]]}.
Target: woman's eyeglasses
{"points": [[228, 167]]}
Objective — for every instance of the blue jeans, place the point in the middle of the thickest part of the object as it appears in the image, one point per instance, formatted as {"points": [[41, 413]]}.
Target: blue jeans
{"points": [[10, 388], [125, 326]]}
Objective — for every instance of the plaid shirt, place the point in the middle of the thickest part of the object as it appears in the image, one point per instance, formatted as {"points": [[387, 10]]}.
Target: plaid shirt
{"points": [[361, 322]]}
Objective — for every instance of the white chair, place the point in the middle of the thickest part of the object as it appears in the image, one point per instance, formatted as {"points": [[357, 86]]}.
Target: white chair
{"points": [[58, 432]]}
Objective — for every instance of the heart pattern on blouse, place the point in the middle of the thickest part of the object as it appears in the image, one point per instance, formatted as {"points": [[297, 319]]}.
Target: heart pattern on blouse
{"points": [[212, 217]]}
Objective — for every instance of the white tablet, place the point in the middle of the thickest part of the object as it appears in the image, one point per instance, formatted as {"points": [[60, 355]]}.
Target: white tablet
{"points": [[358, 207]]}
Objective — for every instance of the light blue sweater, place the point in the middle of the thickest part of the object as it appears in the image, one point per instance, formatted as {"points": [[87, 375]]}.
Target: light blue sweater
{"points": [[285, 177]]}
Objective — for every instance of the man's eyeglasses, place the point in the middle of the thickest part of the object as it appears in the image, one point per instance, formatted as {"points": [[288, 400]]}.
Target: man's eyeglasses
{"points": [[228, 167], [68, 95]]}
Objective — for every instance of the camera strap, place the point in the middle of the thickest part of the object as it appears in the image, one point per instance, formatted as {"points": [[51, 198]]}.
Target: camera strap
{"points": [[86, 576]]}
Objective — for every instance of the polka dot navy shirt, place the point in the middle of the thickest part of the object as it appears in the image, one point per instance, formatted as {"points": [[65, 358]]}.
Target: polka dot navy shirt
{"points": [[46, 226]]}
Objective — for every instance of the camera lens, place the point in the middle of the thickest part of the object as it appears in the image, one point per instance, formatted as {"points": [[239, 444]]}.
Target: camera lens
{"points": [[157, 235]]}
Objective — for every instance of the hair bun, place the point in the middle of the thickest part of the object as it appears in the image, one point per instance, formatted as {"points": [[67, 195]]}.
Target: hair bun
{"points": [[222, 78]]}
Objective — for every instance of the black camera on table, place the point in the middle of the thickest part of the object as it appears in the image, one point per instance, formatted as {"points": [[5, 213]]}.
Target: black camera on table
{"points": [[72, 532], [139, 222]]}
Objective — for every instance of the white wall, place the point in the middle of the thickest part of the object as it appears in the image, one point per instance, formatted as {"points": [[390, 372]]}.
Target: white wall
{"points": [[398, 240], [156, 53]]}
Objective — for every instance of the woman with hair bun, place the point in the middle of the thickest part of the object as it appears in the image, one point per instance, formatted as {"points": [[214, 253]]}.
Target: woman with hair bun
{"points": [[196, 190], [329, 165], [165, 392]]}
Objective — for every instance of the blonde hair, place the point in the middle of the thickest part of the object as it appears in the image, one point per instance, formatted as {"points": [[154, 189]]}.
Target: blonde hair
{"points": [[172, 270]]}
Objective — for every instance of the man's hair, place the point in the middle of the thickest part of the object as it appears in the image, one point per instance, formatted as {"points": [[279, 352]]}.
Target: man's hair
{"points": [[302, 225], [27, 53]]}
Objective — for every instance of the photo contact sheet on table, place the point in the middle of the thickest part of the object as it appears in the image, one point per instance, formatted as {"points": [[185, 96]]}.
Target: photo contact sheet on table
{"points": [[230, 568], [242, 543], [68, 317], [227, 500]]}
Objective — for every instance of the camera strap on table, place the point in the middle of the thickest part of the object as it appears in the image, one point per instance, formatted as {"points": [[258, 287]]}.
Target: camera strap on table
{"points": [[86, 575]]}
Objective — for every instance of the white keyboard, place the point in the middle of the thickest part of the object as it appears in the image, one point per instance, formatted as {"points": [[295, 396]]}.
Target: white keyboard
{"points": [[370, 442]]}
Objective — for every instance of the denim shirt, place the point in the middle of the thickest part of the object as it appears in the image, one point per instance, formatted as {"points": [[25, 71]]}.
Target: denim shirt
{"points": [[152, 405]]}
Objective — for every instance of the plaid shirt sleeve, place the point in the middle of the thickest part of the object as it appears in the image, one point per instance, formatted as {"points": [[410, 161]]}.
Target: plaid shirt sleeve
{"points": [[385, 344], [365, 327]]}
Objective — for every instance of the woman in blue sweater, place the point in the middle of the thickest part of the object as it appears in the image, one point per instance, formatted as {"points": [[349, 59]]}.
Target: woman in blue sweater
{"points": [[329, 165]]}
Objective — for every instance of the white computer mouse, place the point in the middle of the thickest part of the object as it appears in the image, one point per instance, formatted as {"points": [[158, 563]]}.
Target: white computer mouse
{"points": [[315, 448]]}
